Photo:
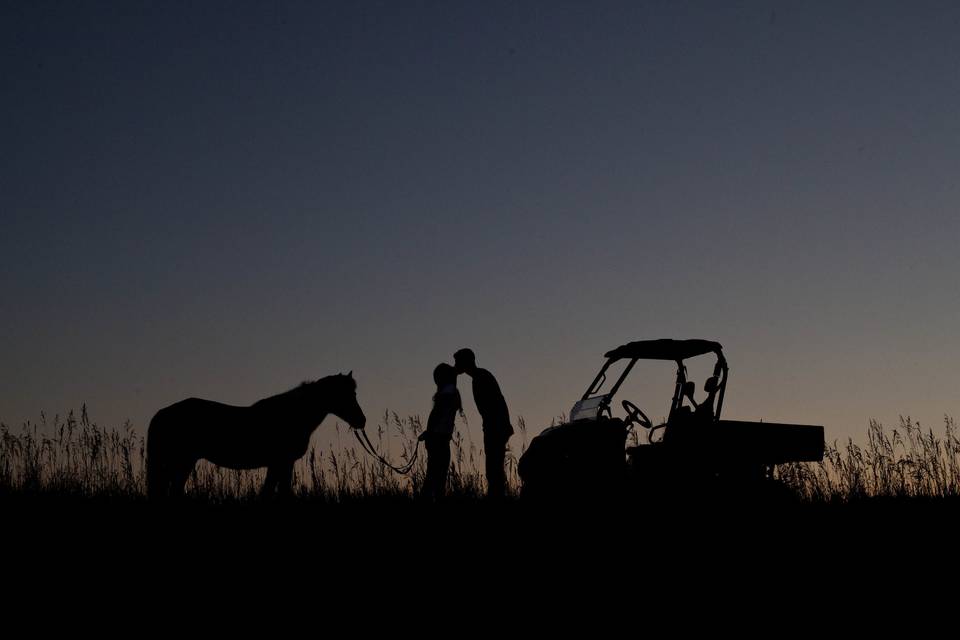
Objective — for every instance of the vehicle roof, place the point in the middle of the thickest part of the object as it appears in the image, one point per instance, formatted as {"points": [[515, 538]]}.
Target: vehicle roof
{"points": [[664, 349]]}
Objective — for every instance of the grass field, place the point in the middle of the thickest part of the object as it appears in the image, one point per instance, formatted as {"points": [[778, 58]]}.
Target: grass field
{"points": [[73, 457], [72, 497]]}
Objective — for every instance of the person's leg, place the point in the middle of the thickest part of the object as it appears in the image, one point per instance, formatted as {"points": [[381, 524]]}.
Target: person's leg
{"points": [[494, 448], [433, 462], [438, 464], [443, 467]]}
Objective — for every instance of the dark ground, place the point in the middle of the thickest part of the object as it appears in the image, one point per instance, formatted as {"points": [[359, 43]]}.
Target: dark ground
{"points": [[380, 529], [398, 565]]}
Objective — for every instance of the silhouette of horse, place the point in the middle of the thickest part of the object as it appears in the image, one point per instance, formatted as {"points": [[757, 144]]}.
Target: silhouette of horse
{"points": [[273, 432]]}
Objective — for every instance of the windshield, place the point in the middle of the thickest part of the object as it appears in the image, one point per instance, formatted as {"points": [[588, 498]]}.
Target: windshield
{"points": [[649, 385], [588, 409]]}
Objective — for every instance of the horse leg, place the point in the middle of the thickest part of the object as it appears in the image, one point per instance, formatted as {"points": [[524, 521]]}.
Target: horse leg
{"points": [[279, 480], [285, 479], [158, 483], [179, 475], [270, 482]]}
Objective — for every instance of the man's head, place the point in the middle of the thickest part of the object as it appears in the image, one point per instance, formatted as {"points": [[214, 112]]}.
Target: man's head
{"points": [[465, 361]]}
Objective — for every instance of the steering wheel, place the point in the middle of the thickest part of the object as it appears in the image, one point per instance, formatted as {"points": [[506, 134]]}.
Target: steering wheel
{"points": [[634, 414]]}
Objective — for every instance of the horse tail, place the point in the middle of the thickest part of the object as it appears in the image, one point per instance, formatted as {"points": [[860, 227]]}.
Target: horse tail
{"points": [[156, 475]]}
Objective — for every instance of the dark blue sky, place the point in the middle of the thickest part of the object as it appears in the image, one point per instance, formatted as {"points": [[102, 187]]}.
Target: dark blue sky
{"points": [[223, 199]]}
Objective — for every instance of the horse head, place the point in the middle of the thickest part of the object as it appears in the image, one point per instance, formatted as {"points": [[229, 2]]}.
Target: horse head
{"points": [[343, 401]]}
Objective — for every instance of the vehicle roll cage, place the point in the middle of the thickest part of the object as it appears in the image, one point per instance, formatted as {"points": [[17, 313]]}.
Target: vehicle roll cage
{"points": [[675, 350]]}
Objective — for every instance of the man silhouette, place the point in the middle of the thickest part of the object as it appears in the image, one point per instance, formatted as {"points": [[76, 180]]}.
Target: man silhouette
{"points": [[496, 419]]}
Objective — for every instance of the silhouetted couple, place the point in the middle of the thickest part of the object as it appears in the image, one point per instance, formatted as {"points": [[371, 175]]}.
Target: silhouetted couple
{"points": [[446, 404]]}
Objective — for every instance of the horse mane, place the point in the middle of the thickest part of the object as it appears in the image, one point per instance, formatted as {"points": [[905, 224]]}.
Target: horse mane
{"points": [[299, 392]]}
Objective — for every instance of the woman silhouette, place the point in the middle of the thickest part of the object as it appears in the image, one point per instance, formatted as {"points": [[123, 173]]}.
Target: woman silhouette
{"points": [[446, 405]]}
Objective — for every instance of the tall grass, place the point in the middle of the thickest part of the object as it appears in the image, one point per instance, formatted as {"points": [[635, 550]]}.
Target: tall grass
{"points": [[907, 461], [74, 456]]}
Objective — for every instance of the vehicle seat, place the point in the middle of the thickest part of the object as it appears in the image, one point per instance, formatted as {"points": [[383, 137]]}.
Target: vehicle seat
{"points": [[678, 425], [705, 409]]}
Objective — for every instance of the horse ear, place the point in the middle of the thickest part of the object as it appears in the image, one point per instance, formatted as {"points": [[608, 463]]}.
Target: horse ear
{"points": [[350, 375]]}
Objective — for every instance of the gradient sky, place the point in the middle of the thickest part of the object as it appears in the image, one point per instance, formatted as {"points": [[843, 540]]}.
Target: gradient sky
{"points": [[223, 199]]}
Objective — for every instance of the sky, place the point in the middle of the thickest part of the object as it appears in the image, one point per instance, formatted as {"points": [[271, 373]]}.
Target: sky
{"points": [[223, 199]]}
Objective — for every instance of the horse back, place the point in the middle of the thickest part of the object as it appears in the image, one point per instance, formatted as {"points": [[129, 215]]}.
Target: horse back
{"points": [[194, 415], [228, 435], [195, 410]]}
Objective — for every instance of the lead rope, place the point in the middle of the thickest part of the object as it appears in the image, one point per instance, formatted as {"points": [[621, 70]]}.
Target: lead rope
{"points": [[367, 446]]}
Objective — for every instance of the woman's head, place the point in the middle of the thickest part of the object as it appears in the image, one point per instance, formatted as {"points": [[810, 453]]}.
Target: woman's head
{"points": [[444, 374]]}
